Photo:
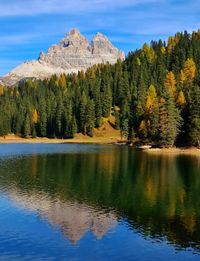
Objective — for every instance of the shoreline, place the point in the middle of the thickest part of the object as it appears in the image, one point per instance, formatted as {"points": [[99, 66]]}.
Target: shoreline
{"points": [[173, 151], [13, 139]]}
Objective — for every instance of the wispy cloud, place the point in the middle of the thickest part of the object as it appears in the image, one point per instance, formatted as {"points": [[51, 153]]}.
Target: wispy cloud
{"points": [[31, 26], [16, 39], [7, 64], [37, 7]]}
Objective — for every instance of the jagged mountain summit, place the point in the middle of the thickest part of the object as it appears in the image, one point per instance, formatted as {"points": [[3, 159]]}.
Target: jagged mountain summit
{"points": [[72, 54]]}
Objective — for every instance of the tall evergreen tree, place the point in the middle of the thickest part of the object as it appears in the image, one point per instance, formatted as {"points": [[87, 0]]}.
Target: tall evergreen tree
{"points": [[170, 120], [194, 118], [90, 117]]}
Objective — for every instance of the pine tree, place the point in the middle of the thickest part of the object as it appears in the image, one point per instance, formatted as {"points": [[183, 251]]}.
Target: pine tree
{"points": [[169, 121], [82, 114], [42, 119], [67, 120], [124, 128], [106, 101], [141, 90], [58, 116], [26, 126], [98, 111], [74, 126], [123, 93], [4, 128], [90, 117], [194, 118]]}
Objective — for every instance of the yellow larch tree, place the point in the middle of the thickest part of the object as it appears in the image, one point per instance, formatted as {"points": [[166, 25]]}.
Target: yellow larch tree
{"points": [[163, 50], [181, 99], [138, 61], [151, 100], [182, 77], [189, 69], [152, 112], [170, 82], [172, 41], [62, 81], [1, 90], [149, 52], [35, 116]]}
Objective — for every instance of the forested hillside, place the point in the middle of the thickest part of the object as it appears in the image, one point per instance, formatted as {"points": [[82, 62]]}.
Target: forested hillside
{"points": [[154, 95]]}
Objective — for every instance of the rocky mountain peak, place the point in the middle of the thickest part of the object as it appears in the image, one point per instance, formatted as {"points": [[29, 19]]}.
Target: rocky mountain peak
{"points": [[100, 37], [101, 45], [74, 39], [72, 54], [74, 32]]}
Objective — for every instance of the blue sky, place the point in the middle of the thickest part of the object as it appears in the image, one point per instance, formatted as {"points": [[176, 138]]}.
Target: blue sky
{"points": [[30, 26]]}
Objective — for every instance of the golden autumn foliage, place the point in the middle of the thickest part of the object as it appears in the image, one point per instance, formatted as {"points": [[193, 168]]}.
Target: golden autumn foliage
{"points": [[182, 77], [143, 128], [170, 82], [1, 90], [163, 50], [62, 81], [189, 69], [151, 99], [35, 116], [142, 125], [181, 99], [91, 73], [81, 75], [138, 61], [149, 52], [116, 109], [171, 43]]}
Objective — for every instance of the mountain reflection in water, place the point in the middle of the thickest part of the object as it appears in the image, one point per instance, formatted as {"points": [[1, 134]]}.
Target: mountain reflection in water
{"points": [[72, 218], [156, 196]]}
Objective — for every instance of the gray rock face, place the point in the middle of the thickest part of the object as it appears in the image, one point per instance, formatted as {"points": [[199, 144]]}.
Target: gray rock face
{"points": [[72, 54]]}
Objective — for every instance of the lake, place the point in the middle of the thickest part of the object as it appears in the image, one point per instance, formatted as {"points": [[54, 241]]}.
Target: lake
{"points": [[95, 202]]}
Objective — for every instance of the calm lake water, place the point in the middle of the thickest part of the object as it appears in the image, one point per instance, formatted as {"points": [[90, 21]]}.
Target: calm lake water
{"points": [[90, 202]]}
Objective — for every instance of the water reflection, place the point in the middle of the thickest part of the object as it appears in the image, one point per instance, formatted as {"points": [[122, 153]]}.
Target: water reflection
{"points": [[157, 195], [71, 217]]}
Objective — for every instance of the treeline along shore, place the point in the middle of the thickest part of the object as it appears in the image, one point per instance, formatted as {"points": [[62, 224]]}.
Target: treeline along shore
{"points": [[153, 95]]}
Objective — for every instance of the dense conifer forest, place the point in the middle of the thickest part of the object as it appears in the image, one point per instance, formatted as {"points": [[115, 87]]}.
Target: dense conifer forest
{"points": [[154, 95]]}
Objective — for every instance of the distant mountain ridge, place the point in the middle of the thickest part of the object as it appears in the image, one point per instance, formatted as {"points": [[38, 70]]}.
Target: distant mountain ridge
{"points": [[72, 54]]}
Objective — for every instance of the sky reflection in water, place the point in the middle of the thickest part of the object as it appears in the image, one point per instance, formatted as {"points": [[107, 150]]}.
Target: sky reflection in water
{"points": [[86, 202]]}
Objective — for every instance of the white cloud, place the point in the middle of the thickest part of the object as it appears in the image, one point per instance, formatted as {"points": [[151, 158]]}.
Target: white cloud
{"points": [[29, 26], [6, 40]]}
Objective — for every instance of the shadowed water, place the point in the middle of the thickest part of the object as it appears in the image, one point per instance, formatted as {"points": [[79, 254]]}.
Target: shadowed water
{"points": [[90, 202]]}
